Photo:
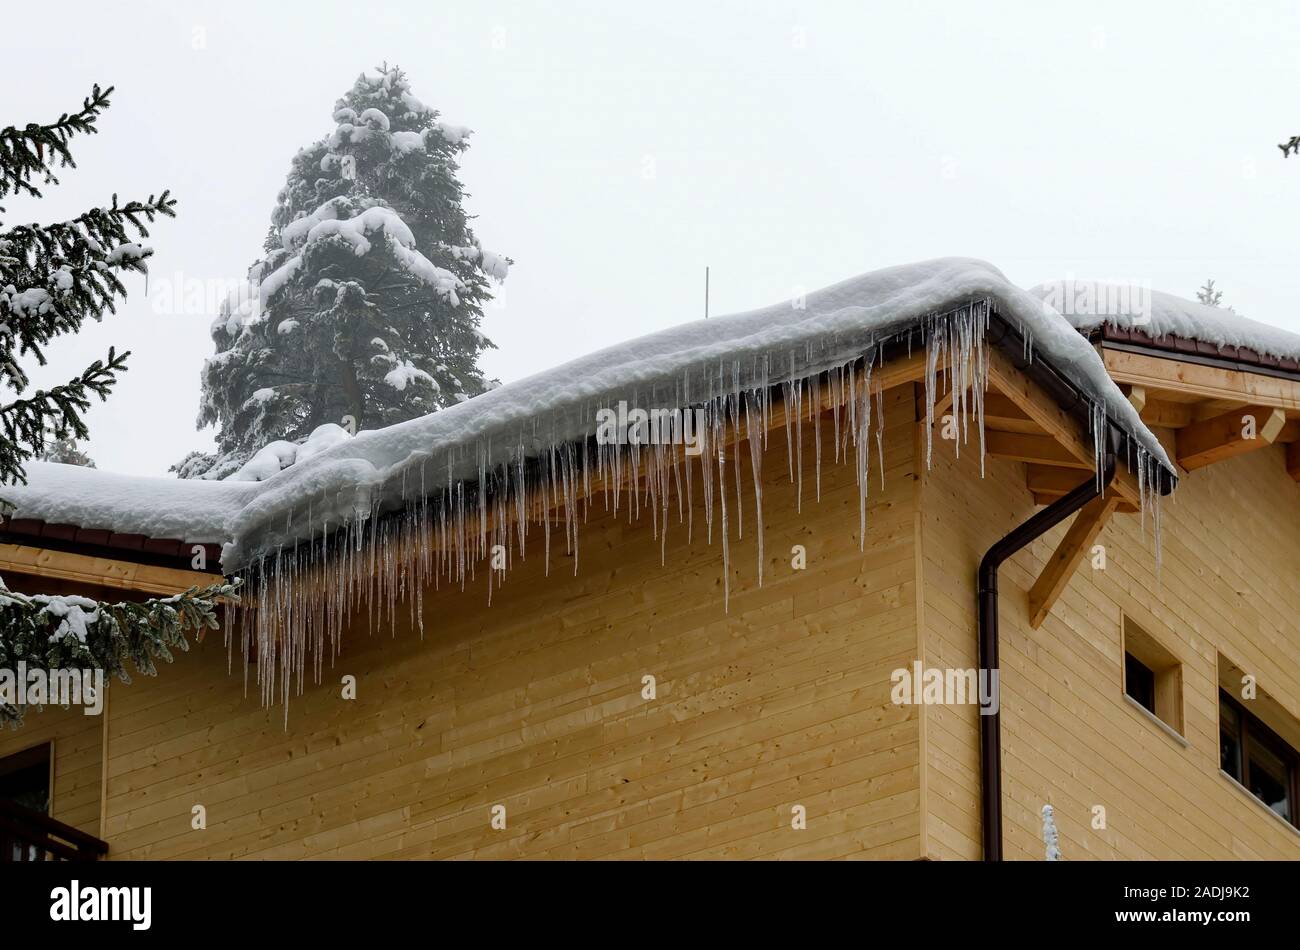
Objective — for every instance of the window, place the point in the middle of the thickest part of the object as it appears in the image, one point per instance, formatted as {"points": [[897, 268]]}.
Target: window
{"points": [[1258, 758], [25, 780], [1153, 677]]}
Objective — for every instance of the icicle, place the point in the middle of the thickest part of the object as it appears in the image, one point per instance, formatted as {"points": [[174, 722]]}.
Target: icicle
{"points": [[721, 443], [756, 463], [862, 445], [880, 434], [815, 417], [798, 442], [378, 561], [734, 403]]}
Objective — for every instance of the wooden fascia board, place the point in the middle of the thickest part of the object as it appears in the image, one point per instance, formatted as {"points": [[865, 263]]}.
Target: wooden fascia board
{"points": [[1209, 382], [105, 572]]}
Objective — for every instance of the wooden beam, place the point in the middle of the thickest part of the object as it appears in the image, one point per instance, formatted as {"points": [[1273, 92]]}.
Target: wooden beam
{"points": [[1054, 420], [998, 406], [105, 572], [1043, 499], [1293, 460], [1087, 524], [1213, 408], [1002, 414], [1167, 415], [1035, 449], [1048, 483], [1226, 436], [1290, 432], [1137, 397], [1051, 480], [896, 372]]}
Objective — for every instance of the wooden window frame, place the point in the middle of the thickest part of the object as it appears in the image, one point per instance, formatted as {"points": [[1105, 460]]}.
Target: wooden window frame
{"points": [[1250, 726], [1166, 671]]}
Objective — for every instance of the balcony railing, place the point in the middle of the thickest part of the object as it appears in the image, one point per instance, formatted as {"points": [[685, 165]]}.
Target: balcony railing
{"points": [[27, 835]]}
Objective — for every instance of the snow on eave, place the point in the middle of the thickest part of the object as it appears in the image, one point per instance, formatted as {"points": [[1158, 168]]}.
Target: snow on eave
{"points": [[1090, 304], [679, 366], [193, 511], [670, 367]]}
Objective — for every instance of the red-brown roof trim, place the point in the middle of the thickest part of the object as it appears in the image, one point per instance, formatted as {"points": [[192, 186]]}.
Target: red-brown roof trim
{"points": [[97, 542], [1183, 347]]}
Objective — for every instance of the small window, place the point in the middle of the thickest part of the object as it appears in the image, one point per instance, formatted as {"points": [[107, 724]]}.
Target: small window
{"points": [[1258, 758], [1153, 677]]}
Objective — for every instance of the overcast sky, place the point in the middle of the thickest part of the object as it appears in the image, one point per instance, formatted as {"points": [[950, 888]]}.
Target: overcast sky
{"points": [[620, 148]]}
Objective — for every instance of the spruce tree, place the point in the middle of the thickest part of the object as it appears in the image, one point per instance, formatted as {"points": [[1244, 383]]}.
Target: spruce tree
{"points": [[52, 277], [1209, 294], [365, 309]]}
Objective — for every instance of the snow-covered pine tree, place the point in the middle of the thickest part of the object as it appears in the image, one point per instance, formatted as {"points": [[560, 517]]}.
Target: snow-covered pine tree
{"points": [[52, 278], [1209, 295], [365, 310]]}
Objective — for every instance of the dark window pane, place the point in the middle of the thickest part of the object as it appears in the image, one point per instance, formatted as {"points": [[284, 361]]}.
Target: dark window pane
{"points": [[1229, 741], [1268, 779], [1139, 682], [25, 780]]}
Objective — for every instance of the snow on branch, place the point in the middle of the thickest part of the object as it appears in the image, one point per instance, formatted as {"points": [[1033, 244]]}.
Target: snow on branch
{"points": [[70, 632]]}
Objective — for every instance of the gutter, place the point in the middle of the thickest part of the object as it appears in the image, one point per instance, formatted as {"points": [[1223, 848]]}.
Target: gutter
{"points": [[987, 601]]}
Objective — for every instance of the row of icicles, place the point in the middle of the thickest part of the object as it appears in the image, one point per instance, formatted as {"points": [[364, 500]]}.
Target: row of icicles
{"points": [[300, 599]]}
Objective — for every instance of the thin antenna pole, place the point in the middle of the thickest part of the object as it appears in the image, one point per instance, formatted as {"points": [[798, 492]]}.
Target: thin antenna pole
{"points": [[706, 293]]}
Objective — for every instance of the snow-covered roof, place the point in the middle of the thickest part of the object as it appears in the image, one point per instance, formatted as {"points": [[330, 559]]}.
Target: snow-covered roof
{"points": [[1090, 304], [190, 510], [678, 366]]}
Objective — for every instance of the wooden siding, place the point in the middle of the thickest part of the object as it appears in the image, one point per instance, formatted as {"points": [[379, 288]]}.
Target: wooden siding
{"points": [[535, 703], [1228, 584]]}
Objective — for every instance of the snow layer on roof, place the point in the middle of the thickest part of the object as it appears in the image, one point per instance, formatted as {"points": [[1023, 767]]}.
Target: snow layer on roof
{"points": [[195, 511], [679, 366], [1088, 304]]}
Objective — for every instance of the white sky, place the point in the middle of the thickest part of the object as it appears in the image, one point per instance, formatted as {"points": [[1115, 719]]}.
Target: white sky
{"points": [[792, 145]]}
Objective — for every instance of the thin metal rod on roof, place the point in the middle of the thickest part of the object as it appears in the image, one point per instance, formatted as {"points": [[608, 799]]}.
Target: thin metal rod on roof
{"points": [[706, 293]]}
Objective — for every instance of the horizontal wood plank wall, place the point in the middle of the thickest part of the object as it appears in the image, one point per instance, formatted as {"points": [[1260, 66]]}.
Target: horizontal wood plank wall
{"points": [[1229, 582], [535, 703]]}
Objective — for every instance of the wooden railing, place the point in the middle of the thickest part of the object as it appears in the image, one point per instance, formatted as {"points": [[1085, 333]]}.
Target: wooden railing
{"points": [[27, 835]]}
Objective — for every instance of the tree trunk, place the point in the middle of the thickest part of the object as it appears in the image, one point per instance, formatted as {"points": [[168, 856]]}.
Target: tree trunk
{"points": [[352, 391]]}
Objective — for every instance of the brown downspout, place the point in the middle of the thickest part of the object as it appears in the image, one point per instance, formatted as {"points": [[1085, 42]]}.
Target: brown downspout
{"points": [[987, 599]]}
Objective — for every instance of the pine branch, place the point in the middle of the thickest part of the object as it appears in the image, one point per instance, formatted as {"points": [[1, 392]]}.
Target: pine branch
{"points": [[52, 278], [23, 151], [1290, 147], [26, 422], [67, 632]]}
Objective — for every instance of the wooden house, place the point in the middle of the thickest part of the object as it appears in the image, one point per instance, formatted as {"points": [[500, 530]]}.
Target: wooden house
{"points": [[621, 688]]}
